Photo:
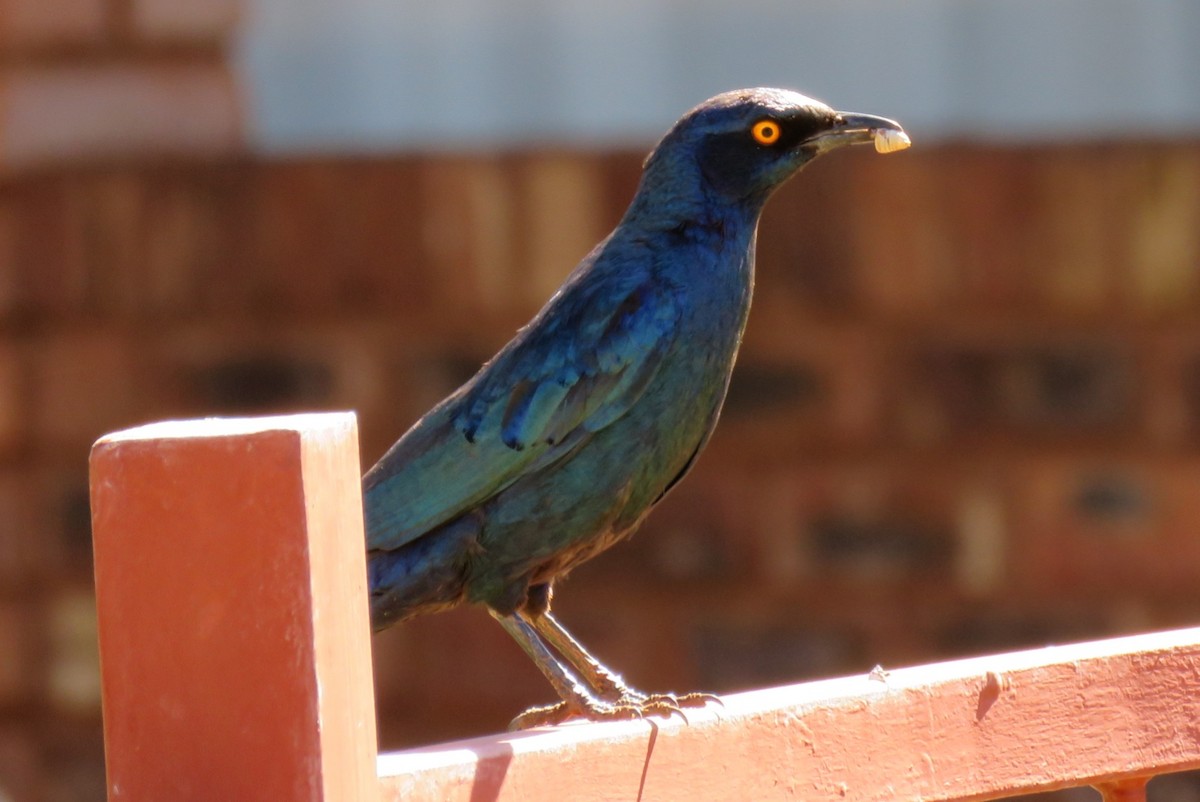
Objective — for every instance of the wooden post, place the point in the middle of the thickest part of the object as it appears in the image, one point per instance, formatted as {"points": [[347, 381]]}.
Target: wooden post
{"points": [[230, 582], [1131, 790], [1108, 713]]}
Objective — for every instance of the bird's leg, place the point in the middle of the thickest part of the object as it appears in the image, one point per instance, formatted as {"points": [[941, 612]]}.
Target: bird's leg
{"points": [[606, 683], [577, 698]]}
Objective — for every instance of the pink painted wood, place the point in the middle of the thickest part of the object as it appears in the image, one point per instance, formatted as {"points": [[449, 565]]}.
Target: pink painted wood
{"points": [[236, 666], [231, 591], [982, 728]]}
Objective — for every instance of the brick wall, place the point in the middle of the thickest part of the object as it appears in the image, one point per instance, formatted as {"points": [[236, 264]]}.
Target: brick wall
{"points": [[98, 79], [965, 419], [89, 244]]}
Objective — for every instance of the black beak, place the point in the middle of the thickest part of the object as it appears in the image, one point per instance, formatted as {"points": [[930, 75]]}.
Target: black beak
{"points": [[850, 128]]}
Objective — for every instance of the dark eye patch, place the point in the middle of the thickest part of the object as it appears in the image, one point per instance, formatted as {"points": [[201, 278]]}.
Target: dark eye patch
{"points": [[797, 129], [730, 159]]}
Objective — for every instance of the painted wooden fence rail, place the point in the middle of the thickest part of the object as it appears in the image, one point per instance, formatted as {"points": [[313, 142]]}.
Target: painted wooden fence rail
{"points": [[236, 666]]}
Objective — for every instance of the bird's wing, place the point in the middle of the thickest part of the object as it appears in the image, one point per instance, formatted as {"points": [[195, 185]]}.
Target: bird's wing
{"points": [[580, 365]]}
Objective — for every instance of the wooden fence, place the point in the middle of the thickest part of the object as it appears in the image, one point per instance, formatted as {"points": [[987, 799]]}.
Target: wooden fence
{"points": [[236, 666]]}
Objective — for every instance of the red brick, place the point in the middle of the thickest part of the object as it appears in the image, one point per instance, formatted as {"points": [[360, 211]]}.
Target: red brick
{"points": [[862, 523], [112, 207], [983, 206], [84, 385], [565, 218], [128, 222], [621, 172], [18, 669], [1005, 623], [903, 250], [730, 654], [75, 769], [184, 20], [805, 260], [337, 235], [9, 276], [293, 227], [695, 537], [1171, 364], [152, 242], [19, 557], [244, 368], [846, 366], [373, 251], [469, 233], [36, 537], [1076, 224], [947, 382], [654, 655], [27, 24], [196, 234], [1097, 527], [262, 383], [14, 389], [778, 551], [57, 114], [982, 550], [47, 248], [1162, 247], [1004, 381], [20, 765], [73, 680], [472, 678]]}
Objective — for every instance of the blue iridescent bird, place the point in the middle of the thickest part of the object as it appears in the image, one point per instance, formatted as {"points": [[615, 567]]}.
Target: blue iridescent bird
{"points": [[562, 443]]}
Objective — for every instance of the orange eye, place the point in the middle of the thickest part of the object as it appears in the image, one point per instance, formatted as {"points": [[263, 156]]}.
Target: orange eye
{"points": [[766, 132]]}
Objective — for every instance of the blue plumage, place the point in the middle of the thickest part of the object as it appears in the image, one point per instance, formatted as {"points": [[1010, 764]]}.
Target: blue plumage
{"points": [[561, 444]]}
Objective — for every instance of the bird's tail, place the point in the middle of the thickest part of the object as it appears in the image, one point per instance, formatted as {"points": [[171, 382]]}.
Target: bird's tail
{"points": [[425, 575]]}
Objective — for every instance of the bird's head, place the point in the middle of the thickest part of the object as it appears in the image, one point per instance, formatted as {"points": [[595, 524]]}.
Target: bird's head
{"points": [[741, 145]]}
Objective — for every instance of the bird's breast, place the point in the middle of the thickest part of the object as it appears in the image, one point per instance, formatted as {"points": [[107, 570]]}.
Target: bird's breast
{"points": [[680, 407]]}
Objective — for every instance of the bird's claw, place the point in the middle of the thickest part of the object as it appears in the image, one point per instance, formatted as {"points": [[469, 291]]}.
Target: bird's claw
{"points": [[630, 705], [670, 703], [694, 699], [564, 711], [663, 704]]}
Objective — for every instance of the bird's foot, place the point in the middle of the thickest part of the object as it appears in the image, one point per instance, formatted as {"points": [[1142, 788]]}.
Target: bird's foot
{"points": [[680, 700], [671, 703], [632, 704], [594, 710]]}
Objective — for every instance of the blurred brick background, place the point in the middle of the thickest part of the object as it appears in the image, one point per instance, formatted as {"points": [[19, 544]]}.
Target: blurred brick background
{"points": [[966, 417]]}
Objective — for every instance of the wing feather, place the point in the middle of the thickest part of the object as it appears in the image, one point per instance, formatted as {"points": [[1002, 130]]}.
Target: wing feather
{"points": [[579, 366]]}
